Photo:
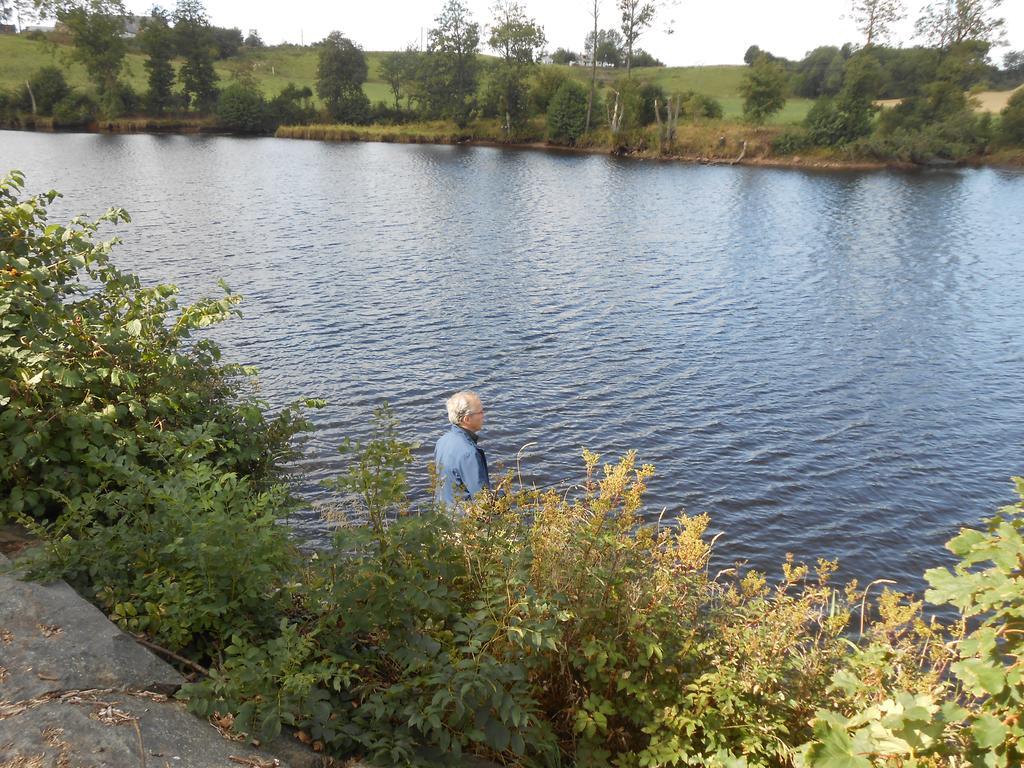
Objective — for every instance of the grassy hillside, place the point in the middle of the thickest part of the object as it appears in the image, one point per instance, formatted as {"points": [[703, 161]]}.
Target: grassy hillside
{"points": [[273, 68], [20, 57]]}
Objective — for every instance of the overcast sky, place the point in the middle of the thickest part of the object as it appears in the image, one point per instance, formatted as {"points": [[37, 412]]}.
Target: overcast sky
{"points": [[704, 32]]}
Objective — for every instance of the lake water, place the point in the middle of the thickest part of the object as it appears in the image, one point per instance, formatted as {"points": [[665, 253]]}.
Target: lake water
{"points": [[828, 363]]}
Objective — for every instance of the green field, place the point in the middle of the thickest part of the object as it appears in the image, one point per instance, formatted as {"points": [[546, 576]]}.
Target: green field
{"points": [[273, 68]]}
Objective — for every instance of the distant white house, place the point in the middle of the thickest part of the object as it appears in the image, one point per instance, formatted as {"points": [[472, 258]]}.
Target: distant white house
{"points": [[132, 26], [584, 61]]}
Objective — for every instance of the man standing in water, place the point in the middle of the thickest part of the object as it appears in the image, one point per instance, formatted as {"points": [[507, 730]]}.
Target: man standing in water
{"points": [[461, 464]]}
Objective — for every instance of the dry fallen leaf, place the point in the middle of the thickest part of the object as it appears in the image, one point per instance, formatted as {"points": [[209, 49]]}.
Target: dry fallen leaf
{"points": [[255, 762], [53, 736], [223, 724], [110, 715], [49, 630]]}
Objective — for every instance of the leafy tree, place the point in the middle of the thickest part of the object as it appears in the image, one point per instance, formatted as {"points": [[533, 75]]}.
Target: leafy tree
{"points": [[819, 73], [698, 105], [751, 55], [1011, 74], [546, 82], [253, 40], [48, 88], [567, 113], [875, 18], [564, 56], [340, 74], [241, 108], [1011, 126], [1013, 61], [964, 63], [648, 94], [157, 42], [518, 41], [763, 89], [194, 40], [399, 69], [608, 49], [292, 106], [906, 70], [451, 65], [74, 110], [226, 41], [637, 16], [96, 27], [947, 22], [849, 116], [642, 58]]}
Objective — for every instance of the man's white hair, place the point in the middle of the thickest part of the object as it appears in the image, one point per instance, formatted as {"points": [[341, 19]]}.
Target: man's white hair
{"points": [[460, 405]]}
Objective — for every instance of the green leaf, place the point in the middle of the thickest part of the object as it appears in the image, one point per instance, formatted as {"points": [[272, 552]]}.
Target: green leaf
{"points": [[498, 736], [989, 732], [980, 676], [967, 540], [134, 327], [834, 748]]}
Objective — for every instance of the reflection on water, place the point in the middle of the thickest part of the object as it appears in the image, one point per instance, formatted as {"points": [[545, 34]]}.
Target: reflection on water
{"points": [[828, 363]]}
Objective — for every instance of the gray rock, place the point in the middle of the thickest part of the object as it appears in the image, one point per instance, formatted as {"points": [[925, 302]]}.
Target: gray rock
{"points": [[53, 640], [77, 691], [106, 730]]}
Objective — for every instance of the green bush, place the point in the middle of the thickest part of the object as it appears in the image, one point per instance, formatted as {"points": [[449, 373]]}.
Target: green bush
{"points": [[831, 122], [536, 629], [696, 106], [956, 138], [120, 100], [192, 559], [967, 709], [646, 97], [74, 111], [8, 107], [48, 87], [1011, 127], [545, 84], [567, 113], [764, 89], [533, 628], [292, 106], [791, 141], [241, 108], [100, 378]]}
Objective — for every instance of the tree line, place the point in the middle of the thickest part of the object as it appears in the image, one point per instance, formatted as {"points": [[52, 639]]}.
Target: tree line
{"points": [[934, 118], [449, 79]]}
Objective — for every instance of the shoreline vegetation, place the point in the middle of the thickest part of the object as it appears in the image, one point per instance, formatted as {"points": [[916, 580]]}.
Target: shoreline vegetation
{"points": [[701, 144], [536, 629], [939, 103]]}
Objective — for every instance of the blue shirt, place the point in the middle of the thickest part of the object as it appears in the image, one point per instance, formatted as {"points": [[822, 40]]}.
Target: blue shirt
{"points": [[461, 466]]}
